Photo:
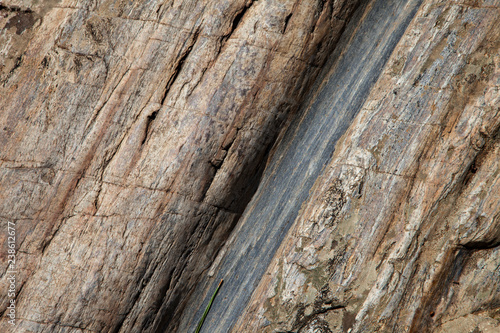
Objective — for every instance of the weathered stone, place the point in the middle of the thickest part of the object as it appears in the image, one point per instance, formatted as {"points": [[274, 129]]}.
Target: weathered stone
{"points": [[402, 227], [133, 134], [297, 162], [151, 148]]}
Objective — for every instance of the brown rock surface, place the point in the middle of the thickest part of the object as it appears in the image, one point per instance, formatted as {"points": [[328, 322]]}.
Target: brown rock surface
{"points": [[134, 133]]}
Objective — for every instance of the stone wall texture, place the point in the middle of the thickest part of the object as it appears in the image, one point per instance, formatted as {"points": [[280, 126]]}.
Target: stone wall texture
{"points": [[336, 162]]}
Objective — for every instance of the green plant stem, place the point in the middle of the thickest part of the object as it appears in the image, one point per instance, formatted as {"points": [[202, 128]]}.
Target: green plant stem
{"points": [[200, 323]]}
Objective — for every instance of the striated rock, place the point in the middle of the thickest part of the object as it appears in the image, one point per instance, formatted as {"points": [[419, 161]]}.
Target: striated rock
{"points": [[133, 134], [401, 230], [298, 160], [336, 163]]}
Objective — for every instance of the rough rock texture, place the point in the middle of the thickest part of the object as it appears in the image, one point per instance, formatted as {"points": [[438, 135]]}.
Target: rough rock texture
{"points": [[306, 147], [401, 232], [134, 133]]}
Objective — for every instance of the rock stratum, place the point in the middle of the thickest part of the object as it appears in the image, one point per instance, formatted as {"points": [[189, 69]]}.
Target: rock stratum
{"points": [[336, 162]]}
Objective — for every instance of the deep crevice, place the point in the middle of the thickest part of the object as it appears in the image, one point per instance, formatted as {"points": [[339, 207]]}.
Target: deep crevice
{"points": [[236, 21], [15, 9], [178, 67], [149, 120], [321, 5], [482, 245], [238, 17], [285, 25]]}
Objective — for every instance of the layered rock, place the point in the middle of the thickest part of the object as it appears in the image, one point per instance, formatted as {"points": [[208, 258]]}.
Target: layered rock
{"points": [[133, 134], [401, 231]]}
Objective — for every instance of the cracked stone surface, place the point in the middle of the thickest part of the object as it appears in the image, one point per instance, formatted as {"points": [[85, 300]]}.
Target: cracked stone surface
{"points": [[133, 134], [401, 230], [144, 142]]}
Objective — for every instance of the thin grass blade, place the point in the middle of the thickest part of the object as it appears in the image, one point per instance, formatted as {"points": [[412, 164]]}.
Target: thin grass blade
{"points": [[200, 323]]}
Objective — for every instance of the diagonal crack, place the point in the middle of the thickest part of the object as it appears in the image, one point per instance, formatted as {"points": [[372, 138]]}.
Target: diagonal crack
{"points": [[179, 65], [237, 20]]}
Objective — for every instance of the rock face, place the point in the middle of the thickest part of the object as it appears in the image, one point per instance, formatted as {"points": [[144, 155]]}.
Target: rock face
{"points": [[135, 134], [300, 156], [401, 231]]}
